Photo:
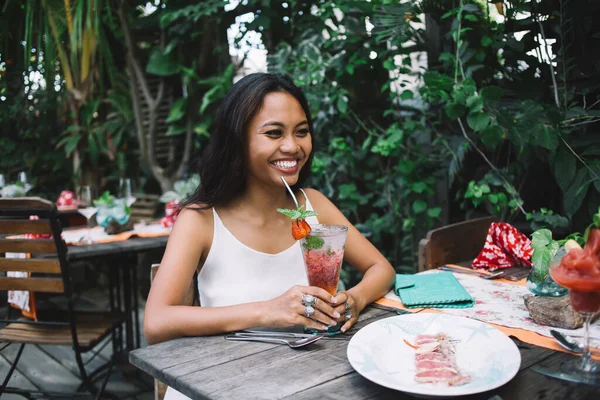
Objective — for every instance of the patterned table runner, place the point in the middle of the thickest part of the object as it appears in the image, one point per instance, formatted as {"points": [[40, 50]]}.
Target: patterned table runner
{"points": [[501, 303]]}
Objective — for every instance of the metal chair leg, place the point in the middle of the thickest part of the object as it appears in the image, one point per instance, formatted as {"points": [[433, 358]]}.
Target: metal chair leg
{"points": [[12, 369]]}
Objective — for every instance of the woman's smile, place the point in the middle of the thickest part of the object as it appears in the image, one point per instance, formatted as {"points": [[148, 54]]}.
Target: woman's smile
{"points": [[286, 166]]}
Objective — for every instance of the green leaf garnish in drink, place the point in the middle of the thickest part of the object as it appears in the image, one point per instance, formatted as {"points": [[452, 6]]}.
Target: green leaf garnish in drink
{"points": [[313, 243]]}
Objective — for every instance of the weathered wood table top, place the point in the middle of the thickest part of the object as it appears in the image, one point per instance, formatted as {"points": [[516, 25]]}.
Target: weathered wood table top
{"points": [[131, 245], [215, 368]]}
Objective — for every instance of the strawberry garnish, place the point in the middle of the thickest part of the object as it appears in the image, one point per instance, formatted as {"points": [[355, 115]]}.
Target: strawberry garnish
{"points": [[300, 228]]}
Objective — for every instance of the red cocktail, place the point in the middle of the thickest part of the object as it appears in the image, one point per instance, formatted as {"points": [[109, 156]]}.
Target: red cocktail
{"points": [[323, 252], [579, 271]]}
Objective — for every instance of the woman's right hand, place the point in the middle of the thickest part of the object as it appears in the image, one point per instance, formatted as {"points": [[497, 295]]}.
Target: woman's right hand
{"points": [[289, 309]]}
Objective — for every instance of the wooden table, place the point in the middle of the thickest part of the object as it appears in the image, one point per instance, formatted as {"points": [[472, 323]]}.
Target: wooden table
{"points": [[215, 368], [123, 262]]}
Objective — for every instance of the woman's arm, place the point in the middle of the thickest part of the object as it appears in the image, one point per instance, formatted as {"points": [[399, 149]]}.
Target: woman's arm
{"points": [[378, 273], [166, 318]]}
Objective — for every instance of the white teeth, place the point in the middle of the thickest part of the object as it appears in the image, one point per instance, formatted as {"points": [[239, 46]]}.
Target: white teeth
{"points": [[285, 164]]}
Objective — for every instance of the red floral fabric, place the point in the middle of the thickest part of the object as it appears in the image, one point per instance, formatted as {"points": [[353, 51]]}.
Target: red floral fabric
{"points": [[37, 235], [171, 212], [66, 199], [505, 246]]}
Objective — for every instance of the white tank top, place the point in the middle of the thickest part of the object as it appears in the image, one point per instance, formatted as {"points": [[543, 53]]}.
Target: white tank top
{"points": [[233, 273]]}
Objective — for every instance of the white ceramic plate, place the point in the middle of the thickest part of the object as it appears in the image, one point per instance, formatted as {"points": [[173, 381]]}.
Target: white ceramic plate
{"points": [[378, 353]]}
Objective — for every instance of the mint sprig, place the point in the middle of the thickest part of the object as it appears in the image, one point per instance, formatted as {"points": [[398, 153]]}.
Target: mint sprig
{"points": [[313, 243], [297, 214]]}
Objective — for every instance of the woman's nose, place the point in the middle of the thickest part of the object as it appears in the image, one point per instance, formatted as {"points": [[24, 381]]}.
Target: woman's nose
{"points": [[289, 144]]}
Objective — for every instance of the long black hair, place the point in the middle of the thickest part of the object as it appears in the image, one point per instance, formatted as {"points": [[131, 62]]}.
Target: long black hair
{"points": [[222, 168]]}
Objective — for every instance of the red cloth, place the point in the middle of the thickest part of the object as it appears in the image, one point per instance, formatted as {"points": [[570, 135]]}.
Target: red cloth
{"points": [[37, 235], [171, 212], [66, 199], [504, 247]]}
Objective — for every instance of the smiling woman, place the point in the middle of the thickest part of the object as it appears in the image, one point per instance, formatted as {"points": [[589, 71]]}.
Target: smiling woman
{"points": [[251, 270]]}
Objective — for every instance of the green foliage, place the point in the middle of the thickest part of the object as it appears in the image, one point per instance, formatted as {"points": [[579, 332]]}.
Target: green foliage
{"points": [[181, 189], [381, 154], [544, 249]]}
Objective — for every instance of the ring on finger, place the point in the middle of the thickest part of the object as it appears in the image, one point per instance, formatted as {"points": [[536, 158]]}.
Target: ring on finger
{"points": [[348, 315], [347, 306], [309, 300], [309, 310]]}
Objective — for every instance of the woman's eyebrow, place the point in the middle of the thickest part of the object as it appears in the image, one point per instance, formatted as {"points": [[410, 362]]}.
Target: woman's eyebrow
{"points": [[276, 123]]}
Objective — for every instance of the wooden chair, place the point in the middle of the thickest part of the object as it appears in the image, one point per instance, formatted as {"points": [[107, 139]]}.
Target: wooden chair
{"points": [[49, 273], [453, 243], [192, 298], [145, 207]]}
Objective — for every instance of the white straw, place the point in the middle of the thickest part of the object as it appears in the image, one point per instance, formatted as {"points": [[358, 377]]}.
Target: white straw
{"points": [[290, 190]]}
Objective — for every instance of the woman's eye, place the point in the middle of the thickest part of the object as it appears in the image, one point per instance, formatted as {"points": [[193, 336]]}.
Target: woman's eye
{"points": [[274, 133], [302, 132]]}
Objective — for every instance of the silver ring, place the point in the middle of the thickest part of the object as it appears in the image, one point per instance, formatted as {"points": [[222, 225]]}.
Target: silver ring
{"points": [[347, 306], [309, 300], [309, 310], [348, 315]]}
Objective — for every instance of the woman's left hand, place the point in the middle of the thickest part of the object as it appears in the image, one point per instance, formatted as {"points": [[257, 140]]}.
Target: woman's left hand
{"points": [[348, 308]]}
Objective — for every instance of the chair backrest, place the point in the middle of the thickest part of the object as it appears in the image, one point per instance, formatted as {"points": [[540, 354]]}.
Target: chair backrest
{"points": [[453, 243], [145, 207], [48, 256], [191, 299]]}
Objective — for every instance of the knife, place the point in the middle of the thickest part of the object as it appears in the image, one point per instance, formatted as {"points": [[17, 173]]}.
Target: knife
{"points": [[562, 375]]}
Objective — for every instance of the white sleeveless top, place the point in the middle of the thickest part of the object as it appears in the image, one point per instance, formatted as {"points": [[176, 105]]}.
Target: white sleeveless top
{"points": [[233, 273]]}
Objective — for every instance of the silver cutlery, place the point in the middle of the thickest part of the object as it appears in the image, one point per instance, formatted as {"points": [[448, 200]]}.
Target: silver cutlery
{"points": [[284, 334], [566, 341], [398, 311], [473, 272], [292, 342]]}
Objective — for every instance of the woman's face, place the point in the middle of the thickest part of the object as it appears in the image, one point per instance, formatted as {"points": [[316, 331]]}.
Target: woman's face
{"points": [[279, 141]]}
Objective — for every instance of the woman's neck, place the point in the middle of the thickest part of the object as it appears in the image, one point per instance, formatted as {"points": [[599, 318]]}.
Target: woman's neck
{"points": [[262, 201]]}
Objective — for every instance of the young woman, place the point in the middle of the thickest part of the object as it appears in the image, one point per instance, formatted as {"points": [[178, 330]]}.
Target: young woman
{"points": [[250, 268]]}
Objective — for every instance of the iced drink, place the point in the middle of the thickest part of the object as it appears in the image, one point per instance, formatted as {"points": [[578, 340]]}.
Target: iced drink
{"points": [[579, 271], [323, 251]]}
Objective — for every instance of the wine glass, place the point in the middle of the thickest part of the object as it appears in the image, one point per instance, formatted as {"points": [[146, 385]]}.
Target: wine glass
{"points": [[87, 209], [583, 282], [125, 191]]}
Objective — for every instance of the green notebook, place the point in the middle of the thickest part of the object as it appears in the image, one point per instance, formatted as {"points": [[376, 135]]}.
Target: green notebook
{"points": [[436, 290]]}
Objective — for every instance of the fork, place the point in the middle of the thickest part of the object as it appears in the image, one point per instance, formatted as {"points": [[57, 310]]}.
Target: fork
{"points": [[295, 343], [472, 272]]}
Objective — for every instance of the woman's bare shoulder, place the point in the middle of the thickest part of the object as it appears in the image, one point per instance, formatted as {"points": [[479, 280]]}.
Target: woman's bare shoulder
{"points": [[194, 221], [328, 212]]}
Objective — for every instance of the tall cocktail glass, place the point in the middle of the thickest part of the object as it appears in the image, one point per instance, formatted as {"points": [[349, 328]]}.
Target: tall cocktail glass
{"points": [[323, 253], [582, 277]]}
